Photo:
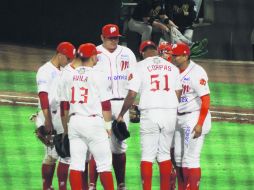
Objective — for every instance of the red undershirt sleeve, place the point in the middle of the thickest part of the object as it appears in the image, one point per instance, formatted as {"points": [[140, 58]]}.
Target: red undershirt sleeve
{"points": [[204, 109], [64, 106], [44, 101], [106, 105]]}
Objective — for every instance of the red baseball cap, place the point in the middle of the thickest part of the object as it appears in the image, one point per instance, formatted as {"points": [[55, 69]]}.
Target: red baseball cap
{"points": [[165, 47], [87, 50], [67, 49], [110, 30], [145, 44], [180, 49]]}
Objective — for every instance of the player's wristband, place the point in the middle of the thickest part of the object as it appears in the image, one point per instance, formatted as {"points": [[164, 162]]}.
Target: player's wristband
{"points": [[108, 125]]}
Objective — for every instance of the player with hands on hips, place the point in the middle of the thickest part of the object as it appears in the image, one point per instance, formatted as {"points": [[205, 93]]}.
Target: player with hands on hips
{"points": [[115, 61], [193, 120], [86, 100], [159, 86], [47, 79]]}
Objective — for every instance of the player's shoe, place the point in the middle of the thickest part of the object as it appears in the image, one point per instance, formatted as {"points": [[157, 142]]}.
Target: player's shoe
{"points": [[92, 186], [121, 186]]}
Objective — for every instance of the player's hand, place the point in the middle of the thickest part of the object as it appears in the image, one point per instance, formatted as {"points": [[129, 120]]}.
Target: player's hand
{"points": [[197, 131], [120, 118], [64, 134], [48, 126]]}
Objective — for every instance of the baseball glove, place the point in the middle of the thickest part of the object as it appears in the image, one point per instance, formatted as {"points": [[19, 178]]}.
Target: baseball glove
{"points": [[120, 130], [62, 145], [45, 137], [134, 114]]}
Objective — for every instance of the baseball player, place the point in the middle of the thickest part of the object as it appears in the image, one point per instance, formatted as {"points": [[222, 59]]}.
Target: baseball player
{"points": [[193, 120], [47, 81], [86, 100], [158, 83], [116, 61], [165, 51], [69, 70]]}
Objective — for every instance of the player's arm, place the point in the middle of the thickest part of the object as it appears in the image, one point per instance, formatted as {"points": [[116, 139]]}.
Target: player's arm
{"points": [[205, 105], [107, 115], [65, 107], [178, 94], [44, 101], [129, 100]]}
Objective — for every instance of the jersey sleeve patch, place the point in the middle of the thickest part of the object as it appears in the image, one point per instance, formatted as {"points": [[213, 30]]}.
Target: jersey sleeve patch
{"points": [[202, 82]]}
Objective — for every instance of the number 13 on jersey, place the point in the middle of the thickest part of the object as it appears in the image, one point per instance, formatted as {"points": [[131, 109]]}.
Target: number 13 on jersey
{"points": [[82, 98]]}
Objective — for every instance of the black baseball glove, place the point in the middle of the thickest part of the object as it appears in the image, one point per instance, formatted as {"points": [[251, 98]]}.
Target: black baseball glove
{"points": [[62, 145], [45, 137], [134, 114], [120, 130]]}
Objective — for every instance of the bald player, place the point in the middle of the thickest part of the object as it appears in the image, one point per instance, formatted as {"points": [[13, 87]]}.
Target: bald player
{"points": [[193, 120], [47, 81], [116, 61], [158, 83], [86, 100]]}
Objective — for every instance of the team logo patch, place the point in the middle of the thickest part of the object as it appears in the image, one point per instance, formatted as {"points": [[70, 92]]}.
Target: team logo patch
{"points": [[81, 71], [130, 77], [112, 29], [124, 65], [202, 82]]}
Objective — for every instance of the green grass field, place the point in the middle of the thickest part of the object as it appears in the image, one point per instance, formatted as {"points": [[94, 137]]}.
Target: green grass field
{"points": [[223, 94], [226, 158]]}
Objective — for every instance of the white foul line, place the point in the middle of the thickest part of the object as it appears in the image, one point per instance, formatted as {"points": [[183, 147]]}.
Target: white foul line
{"points": [[25, 97], [232, 113]]}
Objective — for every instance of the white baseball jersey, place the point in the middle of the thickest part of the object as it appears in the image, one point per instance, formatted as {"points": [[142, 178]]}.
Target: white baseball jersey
{"points": [[117, 66], [195, 84], [157, 80], [85, 90], [47, 81]]}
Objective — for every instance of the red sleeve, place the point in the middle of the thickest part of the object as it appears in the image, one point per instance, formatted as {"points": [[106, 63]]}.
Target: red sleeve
{"points": [[64, 105], [43, 96], [204, 108], [106, 105]]}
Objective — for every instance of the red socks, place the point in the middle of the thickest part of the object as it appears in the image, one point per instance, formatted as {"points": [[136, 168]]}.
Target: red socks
{"points": [[77, 180], [85, 178], [194, 178], [93, 175], [173, 179], [191, 178], [47, 175], [179, 173], [107, 180], [119, 164], [62, 175], [165, 171], [146, 174]]}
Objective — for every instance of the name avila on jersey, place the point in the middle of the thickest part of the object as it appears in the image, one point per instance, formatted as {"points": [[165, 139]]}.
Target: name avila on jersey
{"points": [[158, 67], [80, 78], [118, 77]]}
